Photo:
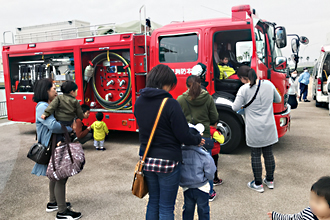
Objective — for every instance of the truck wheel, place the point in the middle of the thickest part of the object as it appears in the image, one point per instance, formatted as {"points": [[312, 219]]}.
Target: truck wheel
{"points": [[318, 104], [232, 129]]}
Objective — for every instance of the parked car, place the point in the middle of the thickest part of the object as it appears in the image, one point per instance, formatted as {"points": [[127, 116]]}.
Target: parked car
{"points": [[320, 76]]}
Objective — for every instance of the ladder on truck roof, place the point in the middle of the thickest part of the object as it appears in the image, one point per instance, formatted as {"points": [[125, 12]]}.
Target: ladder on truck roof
{"points": [[145, 54]]}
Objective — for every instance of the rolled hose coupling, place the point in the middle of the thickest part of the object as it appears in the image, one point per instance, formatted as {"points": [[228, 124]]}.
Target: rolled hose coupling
{"points": [[88, 73]]}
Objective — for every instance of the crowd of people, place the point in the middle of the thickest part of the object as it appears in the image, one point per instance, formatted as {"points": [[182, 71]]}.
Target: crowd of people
{"points": [[186, 145]]}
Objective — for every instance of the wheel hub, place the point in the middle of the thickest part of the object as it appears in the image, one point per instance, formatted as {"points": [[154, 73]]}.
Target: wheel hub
{"points": [[224, 130]]}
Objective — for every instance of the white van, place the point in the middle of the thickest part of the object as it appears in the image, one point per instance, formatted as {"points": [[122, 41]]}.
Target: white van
{"points": [[320, 75]]}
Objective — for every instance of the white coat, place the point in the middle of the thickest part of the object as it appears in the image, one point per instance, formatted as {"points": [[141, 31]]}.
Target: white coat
{"points": [[293, 86], [260, 127]]}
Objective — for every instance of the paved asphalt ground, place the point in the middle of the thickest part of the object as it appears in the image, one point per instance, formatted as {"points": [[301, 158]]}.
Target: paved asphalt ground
{"points": [[102, 189]]}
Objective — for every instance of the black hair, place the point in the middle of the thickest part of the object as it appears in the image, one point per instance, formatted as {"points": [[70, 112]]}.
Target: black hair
{"points": [[99, 116], [322, 188], [161, 75], [68, 86], [222, 56], [85, 108], [41, 89], [247, 72], [194, 84]]}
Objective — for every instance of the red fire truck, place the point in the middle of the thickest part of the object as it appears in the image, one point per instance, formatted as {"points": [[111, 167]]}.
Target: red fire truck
{"points": [[111, 69]]}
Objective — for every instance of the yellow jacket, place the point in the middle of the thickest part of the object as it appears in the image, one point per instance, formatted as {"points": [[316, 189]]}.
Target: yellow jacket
{"points": [[100, 130], [225, 71]]}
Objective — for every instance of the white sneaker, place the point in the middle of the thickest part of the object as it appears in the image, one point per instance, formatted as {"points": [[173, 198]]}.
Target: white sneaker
{"points": [[253, 186], [269, 184]]}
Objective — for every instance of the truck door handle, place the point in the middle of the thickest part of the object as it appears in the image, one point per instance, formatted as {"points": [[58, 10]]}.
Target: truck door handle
{"points": [[11, 98], [104, 48]]}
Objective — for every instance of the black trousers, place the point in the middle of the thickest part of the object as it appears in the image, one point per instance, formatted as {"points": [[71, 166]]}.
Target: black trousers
{"points": [[267, 153], [216, 158]]}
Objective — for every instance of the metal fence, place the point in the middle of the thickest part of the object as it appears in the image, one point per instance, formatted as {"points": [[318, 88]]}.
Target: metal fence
{"points": [[3, 109]]}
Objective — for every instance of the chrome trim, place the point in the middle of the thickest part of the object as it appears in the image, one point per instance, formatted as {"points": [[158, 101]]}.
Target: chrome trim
{"points": [[288, 110]]}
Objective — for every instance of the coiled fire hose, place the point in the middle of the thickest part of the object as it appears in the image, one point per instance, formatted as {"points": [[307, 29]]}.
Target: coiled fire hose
{"points": [[90, 72]]}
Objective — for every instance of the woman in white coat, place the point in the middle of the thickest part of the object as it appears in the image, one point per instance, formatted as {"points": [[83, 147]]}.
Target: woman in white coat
{"points": [[293, 90], [260, 127]]}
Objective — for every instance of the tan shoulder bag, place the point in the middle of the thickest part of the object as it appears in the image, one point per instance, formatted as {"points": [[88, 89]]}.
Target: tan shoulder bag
{"points": [[139, 186]]}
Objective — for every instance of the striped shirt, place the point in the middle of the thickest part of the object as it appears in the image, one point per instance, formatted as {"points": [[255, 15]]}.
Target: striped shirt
{"points": [[305, 214], [159, 165]]}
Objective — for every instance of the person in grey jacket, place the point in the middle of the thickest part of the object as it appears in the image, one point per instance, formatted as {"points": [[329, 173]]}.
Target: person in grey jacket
{"points": [[44, 93], [260, 127], [197, 170]]}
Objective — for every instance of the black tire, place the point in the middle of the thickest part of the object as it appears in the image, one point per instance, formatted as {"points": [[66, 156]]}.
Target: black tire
{"points": [[318, 104], [234, 134]]}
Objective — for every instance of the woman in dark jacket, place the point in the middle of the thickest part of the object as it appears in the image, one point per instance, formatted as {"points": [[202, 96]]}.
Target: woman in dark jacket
{"points": [[163, 162], [44, 93]]}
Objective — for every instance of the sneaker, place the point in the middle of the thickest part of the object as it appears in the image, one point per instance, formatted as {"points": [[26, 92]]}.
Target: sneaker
{"points": [[97, 148], [253, 186], [269, 184], [217, 182], [212, 196], [306, 100], [68, 214], [53, 206], [102, 148]]}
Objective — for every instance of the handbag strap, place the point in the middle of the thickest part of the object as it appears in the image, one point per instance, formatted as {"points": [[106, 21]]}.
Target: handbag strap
{"points": [[254, 97], [153, 132], [67, 140], [53, 150]]}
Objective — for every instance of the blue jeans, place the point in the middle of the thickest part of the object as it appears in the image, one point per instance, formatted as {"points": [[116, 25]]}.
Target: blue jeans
{"points": [[193, 197], [163, 189]]}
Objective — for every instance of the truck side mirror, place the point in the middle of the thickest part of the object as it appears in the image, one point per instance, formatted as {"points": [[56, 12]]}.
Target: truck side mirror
{"points": [[280, 37], [304, 40], [280, 63], [295, 45]]}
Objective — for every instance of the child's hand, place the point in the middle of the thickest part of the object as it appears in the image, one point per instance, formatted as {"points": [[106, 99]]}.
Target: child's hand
{"points": [[270, 215], [89, 128], [43, 116], [202, 142]]}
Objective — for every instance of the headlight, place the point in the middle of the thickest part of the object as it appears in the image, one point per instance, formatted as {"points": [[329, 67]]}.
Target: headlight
{"points": [[282, 122]]}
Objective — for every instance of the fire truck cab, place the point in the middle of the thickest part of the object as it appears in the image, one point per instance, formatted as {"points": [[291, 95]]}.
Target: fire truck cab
{"points": [[248, 41], [111, 69]]}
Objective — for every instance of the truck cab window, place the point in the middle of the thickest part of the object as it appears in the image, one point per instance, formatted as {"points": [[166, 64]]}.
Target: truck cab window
{"points": [[260, 44], [179, 48]]}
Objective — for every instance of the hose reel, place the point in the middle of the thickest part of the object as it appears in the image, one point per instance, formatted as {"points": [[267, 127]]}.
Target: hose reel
{"points": [[124, 97]]}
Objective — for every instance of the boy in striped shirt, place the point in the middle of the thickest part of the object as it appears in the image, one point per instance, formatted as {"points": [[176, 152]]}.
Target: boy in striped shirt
{"points": [[319, 204]]}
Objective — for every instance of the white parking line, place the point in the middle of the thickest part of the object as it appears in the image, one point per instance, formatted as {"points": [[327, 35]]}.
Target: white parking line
{"points": [[9, 123]]}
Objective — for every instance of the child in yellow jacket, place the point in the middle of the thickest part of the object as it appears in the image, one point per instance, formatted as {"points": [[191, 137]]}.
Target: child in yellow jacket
{"points": [[100, 131]]}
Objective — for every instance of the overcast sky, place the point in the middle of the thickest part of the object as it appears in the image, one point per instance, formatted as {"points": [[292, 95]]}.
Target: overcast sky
{"points": [[305, 17]]}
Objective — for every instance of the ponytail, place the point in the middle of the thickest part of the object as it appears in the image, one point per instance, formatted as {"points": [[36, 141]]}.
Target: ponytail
{"points": [[247, 72], [194, 85]]}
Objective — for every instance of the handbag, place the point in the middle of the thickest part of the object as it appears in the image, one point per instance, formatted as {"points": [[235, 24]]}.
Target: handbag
{"points": [[39, 153], [242, 111], [67, 159], [139, 186]]}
